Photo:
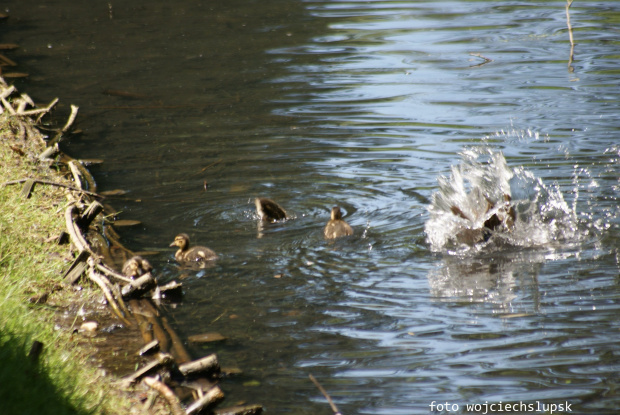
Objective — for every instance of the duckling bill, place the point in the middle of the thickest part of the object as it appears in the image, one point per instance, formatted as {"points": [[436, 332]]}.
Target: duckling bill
{"points": [[191, 254], [337, 227], [268, 210]]}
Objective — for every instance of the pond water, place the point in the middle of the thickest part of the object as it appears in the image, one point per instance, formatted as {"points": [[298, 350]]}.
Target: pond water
{"points": [[384, 108]]}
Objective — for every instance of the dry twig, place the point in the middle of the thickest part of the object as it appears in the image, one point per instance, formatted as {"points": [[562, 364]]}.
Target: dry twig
{"points": [[166, 392], [570, 36], [66, 186], [324, 392]]}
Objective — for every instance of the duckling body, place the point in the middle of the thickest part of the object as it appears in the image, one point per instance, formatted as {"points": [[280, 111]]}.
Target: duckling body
{"points": [[268, 210], [191, 254], [500, 217], [337, 227], [136, 267]]}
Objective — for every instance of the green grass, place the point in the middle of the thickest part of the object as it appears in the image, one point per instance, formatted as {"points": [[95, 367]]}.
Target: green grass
{"points": [[64, 380]]}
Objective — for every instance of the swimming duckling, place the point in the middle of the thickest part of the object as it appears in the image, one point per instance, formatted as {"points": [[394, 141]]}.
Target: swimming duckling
{"points": [[337, 227], [268, 210], [136, 267], [193, 254]]}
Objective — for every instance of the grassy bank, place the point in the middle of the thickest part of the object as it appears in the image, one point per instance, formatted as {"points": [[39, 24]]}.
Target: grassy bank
{"points": [[64, 379]]}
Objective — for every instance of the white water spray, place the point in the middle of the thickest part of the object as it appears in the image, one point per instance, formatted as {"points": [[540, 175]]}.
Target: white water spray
{"points": [[483, 202]]}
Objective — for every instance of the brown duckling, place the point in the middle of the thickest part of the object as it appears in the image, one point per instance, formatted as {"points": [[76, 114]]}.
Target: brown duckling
{"points": [[337, 227], [193, 254], [268, 210], [136, 267]]}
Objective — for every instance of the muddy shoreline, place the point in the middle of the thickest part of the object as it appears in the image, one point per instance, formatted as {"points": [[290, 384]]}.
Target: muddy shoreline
{"points": [[120, 322]]}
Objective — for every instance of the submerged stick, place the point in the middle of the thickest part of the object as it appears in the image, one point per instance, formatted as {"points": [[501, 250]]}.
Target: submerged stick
{"points": [[329, 399], [182, 356], [145, 327]]}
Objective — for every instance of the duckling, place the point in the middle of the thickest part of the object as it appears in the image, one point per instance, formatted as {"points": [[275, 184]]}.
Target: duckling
{"points": [[136, 267], [337, 227], [268, 210], [193, 254], [502, 219]]}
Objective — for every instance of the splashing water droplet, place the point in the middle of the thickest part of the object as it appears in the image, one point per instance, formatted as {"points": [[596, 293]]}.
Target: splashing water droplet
{"points": [[484, 202]]}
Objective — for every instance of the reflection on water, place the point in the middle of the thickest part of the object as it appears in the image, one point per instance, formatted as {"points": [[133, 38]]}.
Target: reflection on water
{"points": [[362, 105]]}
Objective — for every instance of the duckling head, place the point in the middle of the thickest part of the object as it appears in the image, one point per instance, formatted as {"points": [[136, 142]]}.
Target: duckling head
{"points": [[136, 266], [336, 213], [182, 241]]}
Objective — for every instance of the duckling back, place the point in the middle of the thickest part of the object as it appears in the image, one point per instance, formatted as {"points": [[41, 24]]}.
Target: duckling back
{"points": [[337, 227], [268, 210], [195, 254]]}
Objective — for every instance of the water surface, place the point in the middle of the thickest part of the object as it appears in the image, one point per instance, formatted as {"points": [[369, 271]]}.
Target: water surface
{"points": [[361, 105]]}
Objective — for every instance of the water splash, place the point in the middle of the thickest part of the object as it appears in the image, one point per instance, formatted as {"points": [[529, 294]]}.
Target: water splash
{"points": [[483, 202]]}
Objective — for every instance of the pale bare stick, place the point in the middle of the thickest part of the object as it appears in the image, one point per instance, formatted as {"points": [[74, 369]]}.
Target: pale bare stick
{"points": [[39, 110], [52, 184], [103, 284], [329, 400], [167, 393], [74, 111], [570, 35]]}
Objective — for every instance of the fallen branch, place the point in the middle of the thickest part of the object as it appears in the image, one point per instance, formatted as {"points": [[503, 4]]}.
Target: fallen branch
{"points": [[97, 279], [161, 361], [329, 399], [44, 110], [139, 286], [89, 215], [76, 236], [570, 36], [211, 398], [51, 183], [7, 92], [206, 365], [77, 268], [58, 137], [74, 111], [166, 393], [111, 273]]}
